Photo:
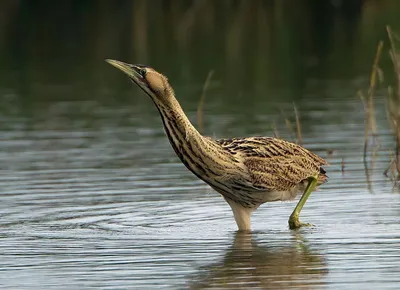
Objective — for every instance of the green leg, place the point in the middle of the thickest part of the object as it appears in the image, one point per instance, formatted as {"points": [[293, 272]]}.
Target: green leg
{"points": [[294, 222]]}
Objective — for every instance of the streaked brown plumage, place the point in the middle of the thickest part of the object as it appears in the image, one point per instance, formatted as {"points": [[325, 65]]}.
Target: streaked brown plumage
{"points": [[247, 172]]}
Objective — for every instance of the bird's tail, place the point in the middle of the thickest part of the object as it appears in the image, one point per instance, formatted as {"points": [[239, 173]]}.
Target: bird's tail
{"points": [[322, 177]]}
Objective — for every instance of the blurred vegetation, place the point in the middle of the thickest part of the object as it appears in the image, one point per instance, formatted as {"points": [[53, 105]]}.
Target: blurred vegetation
{"points": [[252, 46]]}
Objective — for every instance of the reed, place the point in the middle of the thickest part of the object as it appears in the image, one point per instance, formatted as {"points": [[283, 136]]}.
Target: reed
{"points": [[393, 103], [293, 129], [368, 102], [275, 130], [200, 107], [298, 126]]}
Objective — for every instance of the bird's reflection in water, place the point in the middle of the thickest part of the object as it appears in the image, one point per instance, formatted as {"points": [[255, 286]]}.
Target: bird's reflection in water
{"points": [[268, 266]]}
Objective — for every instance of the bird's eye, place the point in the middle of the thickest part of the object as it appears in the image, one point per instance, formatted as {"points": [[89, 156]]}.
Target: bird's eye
{"points": [[142, 72]]}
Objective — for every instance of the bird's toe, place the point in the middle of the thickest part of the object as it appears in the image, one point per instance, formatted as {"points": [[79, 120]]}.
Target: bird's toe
{"points": [[295, 223]]}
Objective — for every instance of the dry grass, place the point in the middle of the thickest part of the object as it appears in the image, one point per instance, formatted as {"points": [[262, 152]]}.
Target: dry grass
{"points": [[200, 115], [294, 130], [275, 129], [298, 126], [200, 107], [393, 104], [368, 102]]}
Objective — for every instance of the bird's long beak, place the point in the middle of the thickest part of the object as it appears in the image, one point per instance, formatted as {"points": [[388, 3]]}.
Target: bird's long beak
{"points": [[131, 70]]}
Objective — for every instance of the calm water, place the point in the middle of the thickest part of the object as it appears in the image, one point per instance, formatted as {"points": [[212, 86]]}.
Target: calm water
{"points": [[92, 194], [104, 203]]}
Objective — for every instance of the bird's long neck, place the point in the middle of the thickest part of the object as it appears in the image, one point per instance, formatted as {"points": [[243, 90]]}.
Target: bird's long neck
{"points": [[194, 150]]}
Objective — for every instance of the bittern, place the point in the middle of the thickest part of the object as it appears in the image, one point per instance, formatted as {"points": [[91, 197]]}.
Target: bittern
{"points": [[247, 172]]}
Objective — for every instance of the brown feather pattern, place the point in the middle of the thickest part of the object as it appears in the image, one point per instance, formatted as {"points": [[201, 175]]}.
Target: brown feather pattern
{"points": [[245, 171], [273, 165]]}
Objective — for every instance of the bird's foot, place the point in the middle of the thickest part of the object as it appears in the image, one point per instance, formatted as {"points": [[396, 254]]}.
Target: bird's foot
{"points": [[294, 223]]}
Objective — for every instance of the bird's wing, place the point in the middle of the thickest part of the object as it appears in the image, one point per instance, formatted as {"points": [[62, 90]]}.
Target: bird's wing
{"points": [[274, 164]]}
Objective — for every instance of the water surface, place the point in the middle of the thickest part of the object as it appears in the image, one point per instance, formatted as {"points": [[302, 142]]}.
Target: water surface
{"points": [[92, 194], [104, 202]]}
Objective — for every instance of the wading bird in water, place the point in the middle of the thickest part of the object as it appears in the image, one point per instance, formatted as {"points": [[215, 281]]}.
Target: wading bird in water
{"points": [[247, 172]]}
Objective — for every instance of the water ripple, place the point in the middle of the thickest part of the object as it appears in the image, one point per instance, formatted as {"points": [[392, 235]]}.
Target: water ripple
{"points": [[111, 207]]}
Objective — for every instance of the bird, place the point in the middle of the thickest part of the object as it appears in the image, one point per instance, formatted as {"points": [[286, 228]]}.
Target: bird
{"points": [[247, 172]]}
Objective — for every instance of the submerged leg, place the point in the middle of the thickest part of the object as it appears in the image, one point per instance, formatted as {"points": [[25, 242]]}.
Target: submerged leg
{"points": [[294, 221], [242, 216]]}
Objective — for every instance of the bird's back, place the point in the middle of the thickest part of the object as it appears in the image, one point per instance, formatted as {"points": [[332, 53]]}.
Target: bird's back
{"points": [[274, 165]]}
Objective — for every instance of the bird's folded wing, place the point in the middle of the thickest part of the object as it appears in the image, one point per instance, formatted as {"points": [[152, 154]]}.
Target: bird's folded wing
{"points": [[274, 164], [279, 173]]}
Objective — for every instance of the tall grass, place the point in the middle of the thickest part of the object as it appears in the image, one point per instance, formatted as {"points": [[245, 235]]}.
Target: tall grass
{"points": [[369, 107], [200, 107], [393, 103]]}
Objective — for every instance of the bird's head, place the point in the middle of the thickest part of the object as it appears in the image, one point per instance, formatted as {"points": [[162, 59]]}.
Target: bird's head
{"points": [[150, 81]]}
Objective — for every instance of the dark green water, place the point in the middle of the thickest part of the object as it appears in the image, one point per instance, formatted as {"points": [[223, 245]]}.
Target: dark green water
{"points": [[92, 195]]}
